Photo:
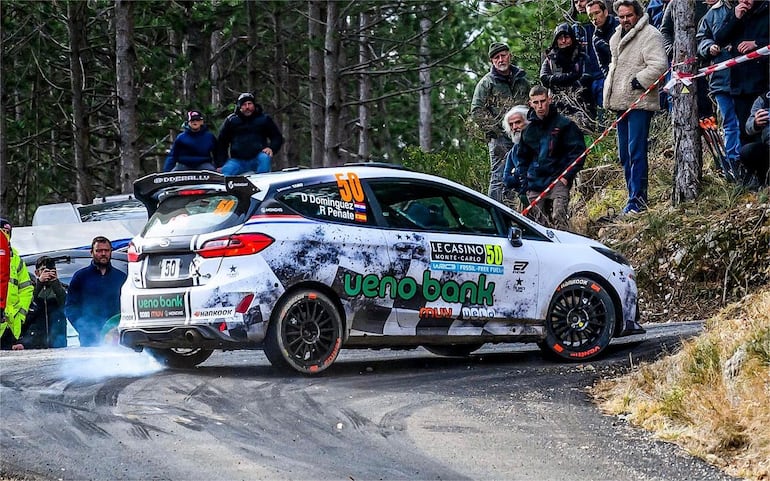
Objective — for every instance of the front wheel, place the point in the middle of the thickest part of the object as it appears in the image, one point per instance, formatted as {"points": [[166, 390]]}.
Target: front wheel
{"points": [[580, 321], [178, 357], [305, 333]]}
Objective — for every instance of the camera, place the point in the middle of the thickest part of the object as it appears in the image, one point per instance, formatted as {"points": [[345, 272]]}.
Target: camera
{"points": [[50, 264]]}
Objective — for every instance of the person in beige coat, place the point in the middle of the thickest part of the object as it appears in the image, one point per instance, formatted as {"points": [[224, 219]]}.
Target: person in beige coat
{"points": [[638, 59]]}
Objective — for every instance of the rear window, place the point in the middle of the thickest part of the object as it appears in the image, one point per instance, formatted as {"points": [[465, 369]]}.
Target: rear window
{"points": [[194, 214]]}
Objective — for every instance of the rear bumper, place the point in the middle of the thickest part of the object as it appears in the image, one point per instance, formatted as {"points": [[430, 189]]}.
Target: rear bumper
{"points": [[207, 336]]}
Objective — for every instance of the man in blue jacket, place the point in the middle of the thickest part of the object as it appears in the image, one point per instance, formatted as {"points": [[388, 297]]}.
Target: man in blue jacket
{"points": [[248, 139], [93, 295], [549, 144], [193, 149]]}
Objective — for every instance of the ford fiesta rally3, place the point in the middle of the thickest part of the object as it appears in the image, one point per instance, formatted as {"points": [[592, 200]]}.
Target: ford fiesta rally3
{"points": [[304, 262]]}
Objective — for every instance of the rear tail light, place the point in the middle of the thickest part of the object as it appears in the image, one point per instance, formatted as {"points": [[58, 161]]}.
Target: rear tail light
{"points": [[235, 245], [132, 254]]}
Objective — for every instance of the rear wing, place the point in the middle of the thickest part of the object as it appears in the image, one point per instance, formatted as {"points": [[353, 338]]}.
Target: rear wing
{"points": [[149, 188]]}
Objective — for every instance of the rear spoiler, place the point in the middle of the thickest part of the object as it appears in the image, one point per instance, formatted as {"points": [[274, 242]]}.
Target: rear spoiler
{"points": [[148, 188]]}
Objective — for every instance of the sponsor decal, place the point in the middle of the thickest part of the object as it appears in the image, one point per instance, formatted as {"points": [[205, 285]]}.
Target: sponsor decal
{"points": [[371, 285], [573, 282], [232, 184], [463, 267], [519, 267], [276, 210], [160, 306], [436, 312], [519, 285], [477, 313], [215, 312], [587, 353], [490, 254], [170, 179]]}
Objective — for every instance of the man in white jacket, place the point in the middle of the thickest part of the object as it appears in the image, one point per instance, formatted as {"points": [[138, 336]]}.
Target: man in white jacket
{"points": [[638, 59]]}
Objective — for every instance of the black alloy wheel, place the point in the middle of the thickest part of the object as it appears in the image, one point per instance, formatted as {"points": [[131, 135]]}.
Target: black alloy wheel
{"points": [[580, 320], [305, 334]]}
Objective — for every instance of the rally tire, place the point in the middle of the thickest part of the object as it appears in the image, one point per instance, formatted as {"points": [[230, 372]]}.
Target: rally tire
{"points": [[179, 358], [580, 320], [453, 350], [305, 333]]}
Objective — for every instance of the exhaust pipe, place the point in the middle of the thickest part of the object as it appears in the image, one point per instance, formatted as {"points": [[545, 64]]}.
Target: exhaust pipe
{"points": [[192, 336]]}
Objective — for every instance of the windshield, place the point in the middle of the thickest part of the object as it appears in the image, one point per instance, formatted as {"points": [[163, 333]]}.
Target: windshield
{"points": [[194, 214], [115, 210]]}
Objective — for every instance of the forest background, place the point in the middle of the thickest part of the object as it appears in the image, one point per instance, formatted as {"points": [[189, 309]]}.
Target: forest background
{"points": [[93, 93]]}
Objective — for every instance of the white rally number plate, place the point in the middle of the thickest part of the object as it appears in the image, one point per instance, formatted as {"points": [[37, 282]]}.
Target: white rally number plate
{"points": [[169, 268]]}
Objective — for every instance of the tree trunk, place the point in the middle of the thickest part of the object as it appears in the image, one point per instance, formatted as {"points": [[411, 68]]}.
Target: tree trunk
{"points": [[3, 141], [194, 51], [332, 109], [364, 91], [125, 59], [687, 146], [316, 62], [425, 114], [251, 66], [280, 73], [76, 19], [215, 73]]}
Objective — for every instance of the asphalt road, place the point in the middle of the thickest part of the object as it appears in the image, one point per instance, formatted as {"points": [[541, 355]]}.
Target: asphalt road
{"points": [[504, 413]]}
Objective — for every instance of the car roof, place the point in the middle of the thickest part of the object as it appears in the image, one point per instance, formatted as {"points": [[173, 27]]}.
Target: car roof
{"points": [[259, 184], [363, 171]]}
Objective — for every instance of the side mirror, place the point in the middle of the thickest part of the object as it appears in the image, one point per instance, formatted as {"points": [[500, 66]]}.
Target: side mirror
{"points": [[514, 236]]}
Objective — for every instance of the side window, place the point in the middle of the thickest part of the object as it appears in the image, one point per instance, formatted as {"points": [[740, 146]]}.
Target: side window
{"points": [[327, 202], [424, 206]]}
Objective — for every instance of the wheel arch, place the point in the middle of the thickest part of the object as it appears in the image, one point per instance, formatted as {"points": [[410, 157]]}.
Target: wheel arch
{"points": [[323, 288]]}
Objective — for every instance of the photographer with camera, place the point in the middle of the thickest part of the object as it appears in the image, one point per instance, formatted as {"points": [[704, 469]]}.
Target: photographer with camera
{"points": [[46, 324]]}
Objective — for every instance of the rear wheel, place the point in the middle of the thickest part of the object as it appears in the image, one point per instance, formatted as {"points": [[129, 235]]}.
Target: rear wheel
{"points": [[580, 321], [178, 357], [305, 333], [453, 350]]}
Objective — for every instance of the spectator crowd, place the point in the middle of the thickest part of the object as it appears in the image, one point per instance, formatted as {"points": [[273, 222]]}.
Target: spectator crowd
{"points": [[34, 309], [602, 59]]}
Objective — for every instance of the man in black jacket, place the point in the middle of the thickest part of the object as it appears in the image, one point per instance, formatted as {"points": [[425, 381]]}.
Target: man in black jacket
{"points": [[248, 139], [549, 144]]}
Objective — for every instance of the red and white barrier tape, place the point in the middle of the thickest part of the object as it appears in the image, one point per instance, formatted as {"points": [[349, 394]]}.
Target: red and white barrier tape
{"points": [[686, 78]]}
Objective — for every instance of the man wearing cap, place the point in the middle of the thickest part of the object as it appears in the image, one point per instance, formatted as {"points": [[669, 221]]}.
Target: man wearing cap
{"points": [[248, 139], [194, 148], [18, 296], [504, 86]]}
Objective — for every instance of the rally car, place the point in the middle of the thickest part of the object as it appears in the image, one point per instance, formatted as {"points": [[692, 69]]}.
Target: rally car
{"points": [[304, 262]]}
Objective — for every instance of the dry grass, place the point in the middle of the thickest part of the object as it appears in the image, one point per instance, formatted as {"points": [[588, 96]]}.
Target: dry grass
{"points": [[712, 397], [708, 259]]}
